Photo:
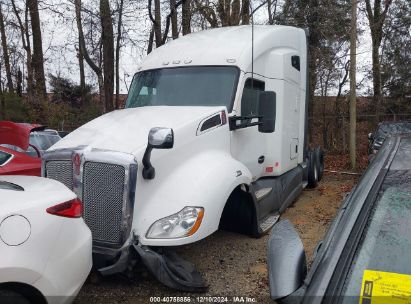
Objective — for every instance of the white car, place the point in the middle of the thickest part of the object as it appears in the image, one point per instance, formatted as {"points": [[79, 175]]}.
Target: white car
{"points": [[45, 246]]}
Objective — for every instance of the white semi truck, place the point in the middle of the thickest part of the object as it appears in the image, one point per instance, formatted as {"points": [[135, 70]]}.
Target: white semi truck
{"points": [[213, 135]]}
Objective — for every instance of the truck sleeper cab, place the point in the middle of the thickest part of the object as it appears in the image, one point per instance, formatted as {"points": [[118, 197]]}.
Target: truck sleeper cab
{"points": [[209, 138]]}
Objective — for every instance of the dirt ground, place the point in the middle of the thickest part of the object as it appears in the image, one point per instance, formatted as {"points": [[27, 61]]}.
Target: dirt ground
{"points": [[233, 265]]}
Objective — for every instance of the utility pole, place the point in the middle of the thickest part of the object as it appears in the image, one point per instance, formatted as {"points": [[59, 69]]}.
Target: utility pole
{"points": [[353, 84]]}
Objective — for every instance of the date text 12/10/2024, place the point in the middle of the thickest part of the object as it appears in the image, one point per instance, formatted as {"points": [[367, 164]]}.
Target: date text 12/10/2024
{"points": [[204, 299]]}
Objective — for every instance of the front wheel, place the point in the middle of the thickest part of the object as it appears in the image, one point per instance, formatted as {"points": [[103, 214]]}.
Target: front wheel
{"points": [[12, 297]]}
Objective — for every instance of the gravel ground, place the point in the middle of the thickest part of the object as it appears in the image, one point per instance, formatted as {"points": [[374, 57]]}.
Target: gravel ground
{"points": [[233, 265]]}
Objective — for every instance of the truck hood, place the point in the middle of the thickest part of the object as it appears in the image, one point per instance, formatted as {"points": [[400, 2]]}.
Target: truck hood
{"points": [[127, 130]]}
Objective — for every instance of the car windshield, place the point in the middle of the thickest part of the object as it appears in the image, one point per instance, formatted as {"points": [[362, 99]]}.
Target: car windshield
{"points": [[4, 157], [187, 86], [385, 245], [42, 140]]}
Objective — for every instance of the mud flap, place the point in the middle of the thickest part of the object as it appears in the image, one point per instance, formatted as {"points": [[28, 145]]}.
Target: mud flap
{"points": [[171, 270]]}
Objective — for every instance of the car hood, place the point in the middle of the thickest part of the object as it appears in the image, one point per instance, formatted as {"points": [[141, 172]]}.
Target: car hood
{"points": [[23, 192], [17, 134], [127, 130]]}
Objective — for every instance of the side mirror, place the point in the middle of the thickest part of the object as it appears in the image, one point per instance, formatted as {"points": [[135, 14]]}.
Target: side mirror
{"points": [[158, 138], [161, 138], [267, 104], [287, 265], [370, 136]]}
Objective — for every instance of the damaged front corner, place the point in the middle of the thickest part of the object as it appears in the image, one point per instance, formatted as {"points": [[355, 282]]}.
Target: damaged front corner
{"points": [[171, 270]]}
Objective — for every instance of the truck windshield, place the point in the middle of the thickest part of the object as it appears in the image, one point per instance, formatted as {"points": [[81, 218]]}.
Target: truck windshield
{"points": [[184, 86]]}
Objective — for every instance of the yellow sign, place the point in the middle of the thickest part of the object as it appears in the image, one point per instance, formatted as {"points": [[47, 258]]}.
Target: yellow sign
{"points": [[380, 287]]}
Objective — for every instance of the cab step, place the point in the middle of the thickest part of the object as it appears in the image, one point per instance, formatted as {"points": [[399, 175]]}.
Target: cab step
{"points": [[262, 193], [269, 221]]}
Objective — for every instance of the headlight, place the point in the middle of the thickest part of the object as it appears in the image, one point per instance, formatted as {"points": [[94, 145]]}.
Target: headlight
{"points": [[182, 224]]}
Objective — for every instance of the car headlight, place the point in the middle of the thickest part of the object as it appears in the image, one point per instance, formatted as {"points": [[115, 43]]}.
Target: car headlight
{"points": [[182, 224]]}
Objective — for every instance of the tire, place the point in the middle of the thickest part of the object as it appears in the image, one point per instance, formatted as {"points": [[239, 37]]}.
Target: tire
{"points": [[312, 170], [319, 158], [12, 297]]}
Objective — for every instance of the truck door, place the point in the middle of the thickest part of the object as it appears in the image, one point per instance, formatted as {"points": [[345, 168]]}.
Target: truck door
{"points": [[248, 144]]}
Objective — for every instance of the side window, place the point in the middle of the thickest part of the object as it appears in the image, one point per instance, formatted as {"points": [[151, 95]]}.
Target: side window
{"points": [[295, 62], [4, 157], [249, 100]]}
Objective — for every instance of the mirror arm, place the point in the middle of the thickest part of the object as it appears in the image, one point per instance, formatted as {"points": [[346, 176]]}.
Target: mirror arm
{"points": [[234, 126], [148, 170]]}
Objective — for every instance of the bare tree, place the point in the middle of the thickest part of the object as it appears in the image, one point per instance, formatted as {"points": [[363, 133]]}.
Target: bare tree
{"points": [[83, 50], [108, 52], [106, 79], [25, 39], [2, 102], [271, 11], [82, 74], [37, 58], [5, 51], [353, 85], [174, 26], [186, 17], [226, 12], [157, 34], [118, 47], [376, 17]]}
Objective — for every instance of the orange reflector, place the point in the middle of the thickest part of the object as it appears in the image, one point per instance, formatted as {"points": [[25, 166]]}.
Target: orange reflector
{"points": [[197, 223]]}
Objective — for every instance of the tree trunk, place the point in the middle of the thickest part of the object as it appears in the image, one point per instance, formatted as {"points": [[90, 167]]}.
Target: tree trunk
{"points": [[86, 55], [157, 23], [376, 17], [118, 47], [150, 41], [19, 86], [186, 17], [25, 39], [174, 26], [353, 84], [102, 92], [5, 52], [376, 75], [270, 16], [2, 103], [108, 53], [82, 76], [2, 106], [245, 12], [37, 59]]}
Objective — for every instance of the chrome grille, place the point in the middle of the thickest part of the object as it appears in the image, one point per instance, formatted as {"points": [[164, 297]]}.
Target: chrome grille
{"points": [[103, 197], [60, 170]]}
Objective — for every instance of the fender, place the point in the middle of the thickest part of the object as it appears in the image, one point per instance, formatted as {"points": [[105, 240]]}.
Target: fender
{"points": [[206, 180]]}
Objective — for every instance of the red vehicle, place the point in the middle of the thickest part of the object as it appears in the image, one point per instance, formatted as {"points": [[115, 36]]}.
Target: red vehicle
{"points": [[13, 162]]}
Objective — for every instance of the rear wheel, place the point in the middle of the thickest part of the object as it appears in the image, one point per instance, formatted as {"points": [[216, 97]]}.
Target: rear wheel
{"points": [[312, 169], [319, 158]]}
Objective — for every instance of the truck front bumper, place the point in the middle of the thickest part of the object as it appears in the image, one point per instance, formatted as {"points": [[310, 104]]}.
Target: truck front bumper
{"points": [[169, 269]]}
